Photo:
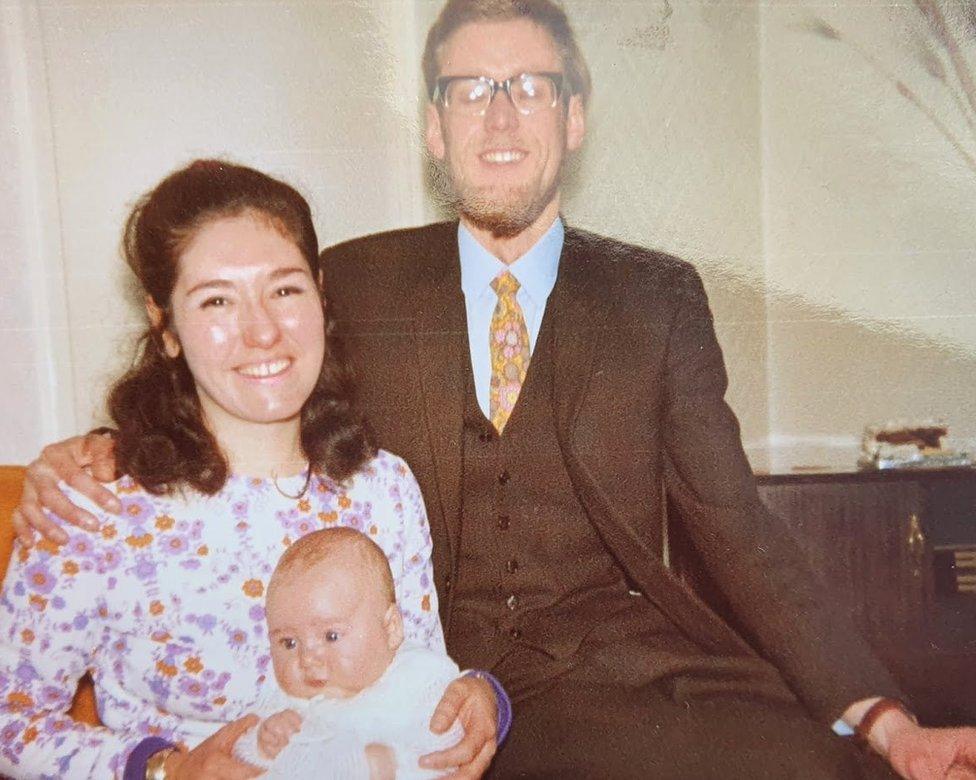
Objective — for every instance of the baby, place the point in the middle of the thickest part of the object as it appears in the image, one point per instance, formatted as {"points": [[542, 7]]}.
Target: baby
{"points": [[352, 700]]}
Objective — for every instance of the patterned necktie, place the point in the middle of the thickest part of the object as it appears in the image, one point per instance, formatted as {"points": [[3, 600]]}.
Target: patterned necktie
{"points": [[509, 350]]}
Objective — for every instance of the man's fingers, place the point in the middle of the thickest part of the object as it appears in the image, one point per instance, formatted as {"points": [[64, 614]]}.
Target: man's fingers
{"points": [[58, 503], [22, 529], [32, 515], [448, 708], [89, 486], [100, 452]]}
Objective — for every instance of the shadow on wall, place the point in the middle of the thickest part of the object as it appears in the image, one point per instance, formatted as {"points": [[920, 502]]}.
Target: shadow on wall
{"points": [[829, 373]]}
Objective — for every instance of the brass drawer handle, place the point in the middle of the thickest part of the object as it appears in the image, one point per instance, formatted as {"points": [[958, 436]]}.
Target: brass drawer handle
{"points": [[916, 542]]}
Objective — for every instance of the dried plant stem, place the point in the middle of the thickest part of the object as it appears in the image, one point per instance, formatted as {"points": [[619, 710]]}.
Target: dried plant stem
{"points": [[906, 92], [931, 11], [963, 108]]}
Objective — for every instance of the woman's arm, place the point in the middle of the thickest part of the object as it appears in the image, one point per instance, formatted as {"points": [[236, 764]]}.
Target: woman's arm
{"points": [[51, 617], [414, 572]]}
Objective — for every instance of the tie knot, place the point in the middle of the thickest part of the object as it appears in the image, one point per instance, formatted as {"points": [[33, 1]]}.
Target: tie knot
{"points": [[505, 284]]}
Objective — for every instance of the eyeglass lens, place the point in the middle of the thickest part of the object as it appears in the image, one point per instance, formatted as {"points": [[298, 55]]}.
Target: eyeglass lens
{"points": [[528, 92]]}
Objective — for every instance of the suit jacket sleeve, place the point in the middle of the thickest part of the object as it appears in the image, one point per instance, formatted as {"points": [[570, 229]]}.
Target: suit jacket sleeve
{"points": [[759, 566]]}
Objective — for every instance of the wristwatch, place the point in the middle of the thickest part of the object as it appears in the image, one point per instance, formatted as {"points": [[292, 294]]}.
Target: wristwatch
{"points": [[156, 765]]}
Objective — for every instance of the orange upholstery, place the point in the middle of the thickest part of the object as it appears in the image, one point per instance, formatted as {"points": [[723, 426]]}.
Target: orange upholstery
{"points": [[11, 482]]}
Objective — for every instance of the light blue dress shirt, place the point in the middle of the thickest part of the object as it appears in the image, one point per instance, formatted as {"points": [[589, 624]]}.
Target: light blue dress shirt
{"points": [[536, 273]]}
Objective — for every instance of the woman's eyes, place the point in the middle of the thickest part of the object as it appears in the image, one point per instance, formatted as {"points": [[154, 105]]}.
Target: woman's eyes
{"points": [[288, 643], [220, 301], [331, 636]]}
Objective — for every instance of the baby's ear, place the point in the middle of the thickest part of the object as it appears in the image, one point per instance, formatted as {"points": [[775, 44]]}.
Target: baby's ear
{"points": [[393, 623]]}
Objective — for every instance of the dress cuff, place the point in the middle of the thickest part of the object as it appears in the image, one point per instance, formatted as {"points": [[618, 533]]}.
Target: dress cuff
{"points": [[135, 764], [502, 702]]}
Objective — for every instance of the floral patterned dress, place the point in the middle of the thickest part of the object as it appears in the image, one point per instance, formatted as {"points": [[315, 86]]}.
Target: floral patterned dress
{"points": [[165, 607]]}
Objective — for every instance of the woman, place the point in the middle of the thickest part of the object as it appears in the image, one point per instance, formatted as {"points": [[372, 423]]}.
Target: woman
{"points": [[236, 436]]}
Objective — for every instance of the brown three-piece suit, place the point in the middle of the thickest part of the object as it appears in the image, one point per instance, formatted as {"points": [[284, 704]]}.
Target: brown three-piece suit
{"points": [[548, 539]]}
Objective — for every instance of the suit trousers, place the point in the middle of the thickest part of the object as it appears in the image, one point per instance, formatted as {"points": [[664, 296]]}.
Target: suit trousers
{"points": [[638, 700]]}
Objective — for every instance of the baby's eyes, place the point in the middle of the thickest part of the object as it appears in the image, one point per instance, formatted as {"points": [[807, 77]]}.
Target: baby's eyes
{"points": [[331, 636], [288, 643]]}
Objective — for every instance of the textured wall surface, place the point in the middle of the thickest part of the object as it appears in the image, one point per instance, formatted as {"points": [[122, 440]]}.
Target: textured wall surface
{"points": [[811, 160]]}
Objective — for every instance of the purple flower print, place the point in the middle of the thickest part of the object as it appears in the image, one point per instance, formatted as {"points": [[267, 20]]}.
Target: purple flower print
{"points": [[51, 695], [256, 613], [145, 568], [236, 637], [39, 578], [159, 687], [174, 544], [26, 673], [205, 622], [136, 509], [304, 525], [9, 734], [109, 560], [80, 546], [193, 687]]}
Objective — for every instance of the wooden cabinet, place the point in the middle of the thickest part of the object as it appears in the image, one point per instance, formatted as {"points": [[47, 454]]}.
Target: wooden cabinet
{"points": [[898, 546]]}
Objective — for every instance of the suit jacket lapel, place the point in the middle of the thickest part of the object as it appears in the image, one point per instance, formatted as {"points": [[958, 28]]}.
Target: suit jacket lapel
{"points": [[578, 311], [441, 338]]}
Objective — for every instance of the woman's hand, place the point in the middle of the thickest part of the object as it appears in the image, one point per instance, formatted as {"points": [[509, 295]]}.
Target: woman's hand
{"points": [[82, 462], [471, 701], [276, 732], [214, 757]]}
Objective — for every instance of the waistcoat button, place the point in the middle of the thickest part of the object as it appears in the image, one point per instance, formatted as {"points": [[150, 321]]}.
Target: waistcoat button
{"points": [[504, 521], [485, 436], [514, 633], [504, 477], [512, 601], [512, 566]]}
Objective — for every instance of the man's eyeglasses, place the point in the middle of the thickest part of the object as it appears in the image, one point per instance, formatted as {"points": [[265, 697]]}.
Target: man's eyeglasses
{"points": [[471, 95]]}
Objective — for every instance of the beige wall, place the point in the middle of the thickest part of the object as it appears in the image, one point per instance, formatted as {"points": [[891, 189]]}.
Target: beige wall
{"points": [[831, 223], [870, 239]]}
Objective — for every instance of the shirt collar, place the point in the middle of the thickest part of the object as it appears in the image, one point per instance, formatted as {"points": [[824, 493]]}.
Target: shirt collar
{"points": [[535, 270]]}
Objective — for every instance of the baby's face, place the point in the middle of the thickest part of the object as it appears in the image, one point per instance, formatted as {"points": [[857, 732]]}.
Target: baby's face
{"points": [[332, 633]]}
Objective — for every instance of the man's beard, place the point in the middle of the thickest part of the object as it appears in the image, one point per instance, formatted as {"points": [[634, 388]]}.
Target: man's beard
{"points": [[504, 214]]}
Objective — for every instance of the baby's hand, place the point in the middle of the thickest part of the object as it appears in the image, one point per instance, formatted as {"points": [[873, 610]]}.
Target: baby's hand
{"points": [[275, 732], [381, 761]]}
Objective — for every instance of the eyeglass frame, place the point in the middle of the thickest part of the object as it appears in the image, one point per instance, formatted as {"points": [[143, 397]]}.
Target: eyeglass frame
{"points": [[439, 94]]}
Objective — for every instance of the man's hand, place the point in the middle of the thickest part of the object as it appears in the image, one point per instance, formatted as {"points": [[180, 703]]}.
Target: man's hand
{"points": [[276, 732], [82, 462], [214, 757], [926, 754], [471, 701]]}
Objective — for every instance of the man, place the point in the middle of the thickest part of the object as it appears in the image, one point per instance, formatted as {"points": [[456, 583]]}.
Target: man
{"points": [[548, 387]]}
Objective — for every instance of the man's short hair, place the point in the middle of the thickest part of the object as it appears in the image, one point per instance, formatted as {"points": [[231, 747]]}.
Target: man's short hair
{"points": [[545, 13], [330, 543]]}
